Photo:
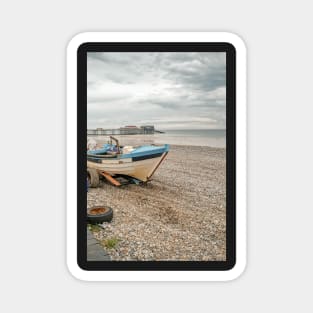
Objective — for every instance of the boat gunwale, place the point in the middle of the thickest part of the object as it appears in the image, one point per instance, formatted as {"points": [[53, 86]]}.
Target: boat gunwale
{"points": [[133, 154]]}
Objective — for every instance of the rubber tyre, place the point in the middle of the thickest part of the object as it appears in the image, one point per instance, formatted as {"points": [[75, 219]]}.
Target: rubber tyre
{"points": [[93, 178], [100, 217]]}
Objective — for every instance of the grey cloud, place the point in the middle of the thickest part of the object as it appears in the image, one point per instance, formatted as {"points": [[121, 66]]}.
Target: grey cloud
{"points": [[126, 88]]}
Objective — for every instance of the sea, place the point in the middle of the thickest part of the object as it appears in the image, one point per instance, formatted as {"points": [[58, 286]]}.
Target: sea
{"points": [[191, 137]]}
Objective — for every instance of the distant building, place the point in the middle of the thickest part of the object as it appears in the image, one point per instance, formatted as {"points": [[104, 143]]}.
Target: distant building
{"points": [[130, 130], [147, 129], [99, 131]]}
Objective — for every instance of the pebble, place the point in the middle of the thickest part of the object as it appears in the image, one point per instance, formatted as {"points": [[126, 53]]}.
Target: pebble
{"points": [[179, 215]]}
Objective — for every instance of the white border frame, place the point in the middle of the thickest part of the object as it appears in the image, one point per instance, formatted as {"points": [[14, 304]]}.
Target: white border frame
{"points": [[73, 267]]}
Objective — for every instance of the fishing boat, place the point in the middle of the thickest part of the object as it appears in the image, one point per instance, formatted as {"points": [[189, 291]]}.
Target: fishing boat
{"points": [[138, 162]]}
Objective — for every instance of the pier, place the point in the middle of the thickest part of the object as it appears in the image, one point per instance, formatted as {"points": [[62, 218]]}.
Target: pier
{"points": [[126, 130]]}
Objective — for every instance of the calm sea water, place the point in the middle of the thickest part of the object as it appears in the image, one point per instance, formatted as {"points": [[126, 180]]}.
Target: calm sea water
{"points": [[194, 137], [189, 137]]}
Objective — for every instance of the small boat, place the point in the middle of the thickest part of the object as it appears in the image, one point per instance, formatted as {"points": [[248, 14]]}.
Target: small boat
{"points": [[137, 162]]}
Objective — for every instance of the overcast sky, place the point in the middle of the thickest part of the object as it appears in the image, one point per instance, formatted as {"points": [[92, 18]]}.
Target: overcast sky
{"points": [[169, 90]]}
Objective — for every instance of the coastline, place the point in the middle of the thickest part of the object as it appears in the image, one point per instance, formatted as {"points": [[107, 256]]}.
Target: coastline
{"points": [[179, 215], [182, 139]]}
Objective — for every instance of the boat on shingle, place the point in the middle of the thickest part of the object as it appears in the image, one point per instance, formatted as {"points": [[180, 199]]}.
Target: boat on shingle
{"points": [[138, 162]]}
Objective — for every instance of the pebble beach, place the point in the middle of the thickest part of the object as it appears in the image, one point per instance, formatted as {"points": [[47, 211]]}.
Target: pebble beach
{"points": [[179, 215]]}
